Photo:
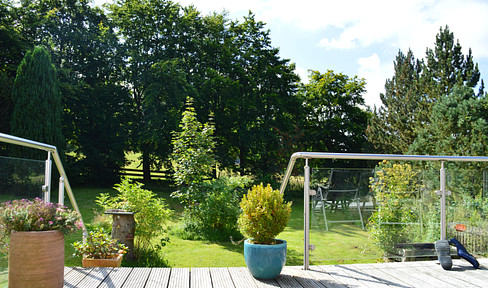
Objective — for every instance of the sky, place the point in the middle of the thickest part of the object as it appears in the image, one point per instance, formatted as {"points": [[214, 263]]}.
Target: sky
{"points": [[360, 37]]}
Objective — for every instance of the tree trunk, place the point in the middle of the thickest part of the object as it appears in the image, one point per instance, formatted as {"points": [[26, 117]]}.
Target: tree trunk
{"points": [[146, 166]]}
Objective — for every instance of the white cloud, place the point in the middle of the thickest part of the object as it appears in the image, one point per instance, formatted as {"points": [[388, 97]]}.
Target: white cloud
{"points": [[303, 73], [375, 72]]}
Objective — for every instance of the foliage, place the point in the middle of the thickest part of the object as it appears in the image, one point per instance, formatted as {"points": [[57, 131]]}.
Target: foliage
{"points": [[335, 121], [99, 245], [414, 90], [151, 211], [35, 215], [264, 214], [150, 257], [37, 102], [395, 188], [216, 217], [458, 125], [193, 157]]}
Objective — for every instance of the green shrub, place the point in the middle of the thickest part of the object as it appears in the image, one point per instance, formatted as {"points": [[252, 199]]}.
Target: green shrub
{"points": [[151, 210], [395, 189], [99, 245], [264, 214], [216, 217]]}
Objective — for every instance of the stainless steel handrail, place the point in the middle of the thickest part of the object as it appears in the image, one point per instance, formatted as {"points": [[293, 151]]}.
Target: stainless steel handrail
{"points": [[54, 151], [359, 156]]}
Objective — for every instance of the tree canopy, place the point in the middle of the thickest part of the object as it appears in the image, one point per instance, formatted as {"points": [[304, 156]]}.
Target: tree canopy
{"points": [[416, 92]]}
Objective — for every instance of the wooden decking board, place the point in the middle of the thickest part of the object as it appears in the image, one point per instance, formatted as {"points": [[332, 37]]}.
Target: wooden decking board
{"points": [[357, 273], [397, 275], [179, 278], [342, 276], [221, 277], [429, 277], [158, 278], [287, 281], [200, 278], [387, 278], [137, 277], [324, 278], [95, 277], [242, 278], [302, 277], [452, 276], [116, 278], [413, 281], [265, 283], [74, 276]]}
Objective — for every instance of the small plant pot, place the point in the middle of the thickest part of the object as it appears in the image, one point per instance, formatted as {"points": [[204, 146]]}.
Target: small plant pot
{"points": [[92, 262], [265, 261]]}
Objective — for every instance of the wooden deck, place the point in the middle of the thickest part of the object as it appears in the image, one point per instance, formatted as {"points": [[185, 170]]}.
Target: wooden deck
{"points": [[401, 274]]}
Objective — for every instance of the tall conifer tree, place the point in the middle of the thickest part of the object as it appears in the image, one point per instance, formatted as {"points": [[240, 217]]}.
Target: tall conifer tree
{"points": [[37, 102], [415, 88]]}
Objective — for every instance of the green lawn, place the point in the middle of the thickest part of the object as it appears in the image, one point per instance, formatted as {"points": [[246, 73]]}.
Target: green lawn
{"points": [[341, 244]]}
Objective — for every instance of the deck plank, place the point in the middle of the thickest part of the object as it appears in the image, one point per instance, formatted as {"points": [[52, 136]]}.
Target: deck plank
{"points": [[398, 275], [137, 278], [342, 276], [200, 278], [179, 278], [266, 283], [96, 276], [221, 277], [75, 276], [357, 272], [158, 277], [384, 277], [242, 278], [302, 277], [324, 278], [116, 278], [287, 281]]}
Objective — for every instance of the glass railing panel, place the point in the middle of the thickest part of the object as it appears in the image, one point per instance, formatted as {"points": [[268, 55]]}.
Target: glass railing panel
{"points": [[21, 178], [338, 215], [467, 210]]}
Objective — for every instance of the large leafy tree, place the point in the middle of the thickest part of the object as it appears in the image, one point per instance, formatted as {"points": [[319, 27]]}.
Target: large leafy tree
{"points": [[155, 38], [415, 87], [37, 102], [84, 49], [335, 121], [251, 90], [12, 49]]}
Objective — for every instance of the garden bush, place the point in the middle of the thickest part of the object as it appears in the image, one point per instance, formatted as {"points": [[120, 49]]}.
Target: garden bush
{"points": [[396, 188], [216, 217], [151, 211]]}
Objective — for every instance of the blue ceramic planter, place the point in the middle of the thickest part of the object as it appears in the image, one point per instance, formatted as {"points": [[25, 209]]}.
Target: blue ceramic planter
{"points": [[265, 261]]}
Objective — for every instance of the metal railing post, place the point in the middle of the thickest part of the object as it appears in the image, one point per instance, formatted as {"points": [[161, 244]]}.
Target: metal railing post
{"points": [[443, 201], [61, 191], [47, 179], [306, 216]]}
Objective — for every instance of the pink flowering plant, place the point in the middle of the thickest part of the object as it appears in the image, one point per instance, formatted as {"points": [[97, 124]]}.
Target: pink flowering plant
{"points": [[35, 215]]}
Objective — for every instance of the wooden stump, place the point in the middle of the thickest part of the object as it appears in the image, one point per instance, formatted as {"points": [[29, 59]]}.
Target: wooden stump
{"points": [[123, 229]]}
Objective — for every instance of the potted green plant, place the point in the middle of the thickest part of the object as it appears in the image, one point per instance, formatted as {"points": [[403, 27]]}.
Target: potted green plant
{"points": [[32, 233], [99, 250], [264, 216]]}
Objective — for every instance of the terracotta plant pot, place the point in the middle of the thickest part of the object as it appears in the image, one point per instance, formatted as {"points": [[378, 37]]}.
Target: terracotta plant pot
{"points": [[92, 262], [36, 259]]}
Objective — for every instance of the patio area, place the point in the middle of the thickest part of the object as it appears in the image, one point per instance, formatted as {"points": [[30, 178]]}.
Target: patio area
{"points": [[399, 274]]}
